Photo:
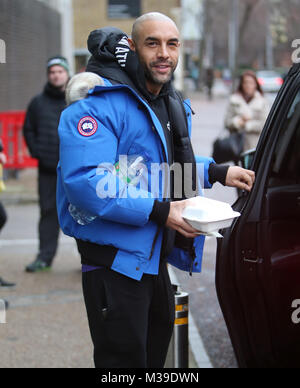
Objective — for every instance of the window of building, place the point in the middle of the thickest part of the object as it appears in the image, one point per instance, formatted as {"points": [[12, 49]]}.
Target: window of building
{"points": [[124, 9]]}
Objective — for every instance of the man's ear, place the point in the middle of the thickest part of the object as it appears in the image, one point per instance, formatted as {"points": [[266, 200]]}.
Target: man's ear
{"points": [[131, 44]]}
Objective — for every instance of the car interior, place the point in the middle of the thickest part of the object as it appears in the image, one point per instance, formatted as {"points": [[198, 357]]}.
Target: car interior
{"points": [[281, 231], [258, 266], [286, 168]]}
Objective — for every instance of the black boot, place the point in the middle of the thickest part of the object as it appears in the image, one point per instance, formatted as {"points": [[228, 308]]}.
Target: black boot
{"points": [[5, 284]]}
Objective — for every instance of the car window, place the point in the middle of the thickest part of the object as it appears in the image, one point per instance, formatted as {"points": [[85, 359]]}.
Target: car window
{"points": [[286, 163], [268, 74]]}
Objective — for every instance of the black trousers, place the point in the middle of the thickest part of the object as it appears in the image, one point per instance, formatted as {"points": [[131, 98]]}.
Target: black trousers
{"points": [[48, 225], [131, 322], [3, 216]]}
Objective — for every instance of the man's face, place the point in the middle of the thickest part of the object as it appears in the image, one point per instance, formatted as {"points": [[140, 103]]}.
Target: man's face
{"points": [[158, 50], [58, 76]]}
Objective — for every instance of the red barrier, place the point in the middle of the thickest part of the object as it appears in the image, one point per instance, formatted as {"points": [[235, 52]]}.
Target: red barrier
{"points": [[11, 127]]}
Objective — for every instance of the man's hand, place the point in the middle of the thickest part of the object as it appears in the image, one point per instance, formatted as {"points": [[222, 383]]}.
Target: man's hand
{"points": [[3, 158], [240, 178], [236, 177], [176, 222]]}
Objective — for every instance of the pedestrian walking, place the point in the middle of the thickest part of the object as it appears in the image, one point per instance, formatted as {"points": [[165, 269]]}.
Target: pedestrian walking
{"points": [[248, 110], [195, 75], [3, 216], [209, 82], [41, 135], [125, 240]]}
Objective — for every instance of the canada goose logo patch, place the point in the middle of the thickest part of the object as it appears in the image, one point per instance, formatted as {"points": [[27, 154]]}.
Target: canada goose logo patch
{"points": [[87, 126]]}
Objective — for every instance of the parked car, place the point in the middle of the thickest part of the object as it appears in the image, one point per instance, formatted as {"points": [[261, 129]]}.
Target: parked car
{"points": [[258, 261], [270, 81]]}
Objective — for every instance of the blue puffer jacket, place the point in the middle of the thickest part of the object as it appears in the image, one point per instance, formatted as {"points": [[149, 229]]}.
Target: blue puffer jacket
{"points": [[94, 132]]}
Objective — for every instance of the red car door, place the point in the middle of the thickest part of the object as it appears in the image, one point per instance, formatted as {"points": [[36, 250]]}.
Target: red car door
{"points": [[258, 262]]}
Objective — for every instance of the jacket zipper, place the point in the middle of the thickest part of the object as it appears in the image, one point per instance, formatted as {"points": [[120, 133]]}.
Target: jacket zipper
{"points": [[193, 258], [164, 200], [154, 243]]}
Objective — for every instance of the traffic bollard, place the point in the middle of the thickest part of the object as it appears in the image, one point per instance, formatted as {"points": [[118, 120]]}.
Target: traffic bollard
{"points": [[178, 355]]}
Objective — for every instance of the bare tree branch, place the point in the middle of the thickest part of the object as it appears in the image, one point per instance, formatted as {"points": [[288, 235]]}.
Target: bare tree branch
{"points": [[250, 7]]}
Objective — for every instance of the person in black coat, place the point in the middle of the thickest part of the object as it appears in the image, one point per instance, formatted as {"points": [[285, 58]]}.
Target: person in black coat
{"points": [[3, 217], [41, 135]]}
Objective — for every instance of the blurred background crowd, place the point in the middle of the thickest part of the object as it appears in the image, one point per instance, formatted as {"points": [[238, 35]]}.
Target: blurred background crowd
{"points": [[221, 38]]}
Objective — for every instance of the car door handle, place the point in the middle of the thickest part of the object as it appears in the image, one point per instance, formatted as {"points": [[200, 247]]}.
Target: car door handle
{"points": [[251, 257]]}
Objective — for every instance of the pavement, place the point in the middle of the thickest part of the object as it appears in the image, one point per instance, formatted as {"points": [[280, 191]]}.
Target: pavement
{"points": [[46, 323], [21, 191]]}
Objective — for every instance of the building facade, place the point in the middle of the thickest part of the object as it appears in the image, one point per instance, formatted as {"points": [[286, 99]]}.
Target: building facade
{"points": [[31, 32], [93, 14], [65, 9]]}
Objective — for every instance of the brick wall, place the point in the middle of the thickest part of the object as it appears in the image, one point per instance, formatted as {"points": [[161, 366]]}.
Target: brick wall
{"points": [[31, 31]]}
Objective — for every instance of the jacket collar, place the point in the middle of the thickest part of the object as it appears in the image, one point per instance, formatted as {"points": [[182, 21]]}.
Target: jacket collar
{"points": [[136, 94]]}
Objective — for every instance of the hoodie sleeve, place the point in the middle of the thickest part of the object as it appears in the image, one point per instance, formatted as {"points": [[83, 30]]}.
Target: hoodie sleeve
{"points": [[203, 168], [88, 159]]}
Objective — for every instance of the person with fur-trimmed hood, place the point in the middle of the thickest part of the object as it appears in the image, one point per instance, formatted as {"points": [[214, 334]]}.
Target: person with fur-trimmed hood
{"points": [[126, 228], [247, 110]]}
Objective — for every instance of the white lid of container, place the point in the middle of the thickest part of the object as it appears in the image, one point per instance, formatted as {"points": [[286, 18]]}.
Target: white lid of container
{"points": [[206, 210]]}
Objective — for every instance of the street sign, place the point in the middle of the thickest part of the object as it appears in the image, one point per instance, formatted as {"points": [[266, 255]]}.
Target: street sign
{"points": [[124, 9]]}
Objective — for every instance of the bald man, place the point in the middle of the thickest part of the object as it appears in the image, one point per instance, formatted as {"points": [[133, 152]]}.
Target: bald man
{"points": [[128, 239]]}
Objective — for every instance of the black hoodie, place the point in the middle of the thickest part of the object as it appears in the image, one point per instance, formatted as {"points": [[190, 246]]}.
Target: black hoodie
{"points": [[102, 44]]}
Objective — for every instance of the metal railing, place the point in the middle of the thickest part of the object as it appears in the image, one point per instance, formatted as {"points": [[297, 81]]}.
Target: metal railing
{"points": [[11, 134]]}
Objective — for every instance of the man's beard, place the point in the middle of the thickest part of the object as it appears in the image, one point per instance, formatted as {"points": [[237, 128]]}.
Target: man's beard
{"points": [[151, 76]]}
